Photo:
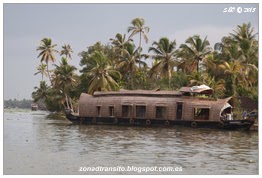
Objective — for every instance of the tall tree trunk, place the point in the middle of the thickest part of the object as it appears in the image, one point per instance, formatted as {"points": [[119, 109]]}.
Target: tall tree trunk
{"points": [[140, 41], [67, 104], [169, 76], [49, 74], [132, 81], [197, 65], [72, 107]]}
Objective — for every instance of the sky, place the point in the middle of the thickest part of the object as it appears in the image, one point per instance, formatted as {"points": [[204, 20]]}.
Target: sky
{"points": [[82, 25]]}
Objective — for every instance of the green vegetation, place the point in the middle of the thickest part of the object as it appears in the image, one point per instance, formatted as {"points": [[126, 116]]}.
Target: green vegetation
{"points": [[231, 68], [25, 104]]}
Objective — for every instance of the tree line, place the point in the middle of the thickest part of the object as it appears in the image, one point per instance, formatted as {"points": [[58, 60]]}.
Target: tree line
{"points": [[231, 68], [18, 103]]}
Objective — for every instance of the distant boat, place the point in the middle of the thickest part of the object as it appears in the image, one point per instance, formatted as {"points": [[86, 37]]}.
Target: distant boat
{"points": [[34, 107], [153, 107]]}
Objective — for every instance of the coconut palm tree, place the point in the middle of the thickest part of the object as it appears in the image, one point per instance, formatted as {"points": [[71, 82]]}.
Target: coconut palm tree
{"points": [[127, 65], [119, 43], [245, 37], [218, 86], [233, 52], [165, 57], [195, 49], [67, 50], [250, 72], [233, 76], [251, 55], [42, 92], [102, 73], [139, 28], [55, 100], [64, 79], [41, 69], [195, 79], [244, 32], [47, 51]]}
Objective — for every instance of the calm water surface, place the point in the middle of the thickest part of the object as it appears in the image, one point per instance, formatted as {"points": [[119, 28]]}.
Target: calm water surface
{"points": [[36, 144]]}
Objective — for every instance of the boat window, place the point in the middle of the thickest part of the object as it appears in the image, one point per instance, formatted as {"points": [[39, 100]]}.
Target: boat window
{"points": [[126, 110], [141, 111], [201, 113], [111, 111], [98, 111], [160, 112]]}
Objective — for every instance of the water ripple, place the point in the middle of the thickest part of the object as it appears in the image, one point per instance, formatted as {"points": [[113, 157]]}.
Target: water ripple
{"points": [[35, 144]]}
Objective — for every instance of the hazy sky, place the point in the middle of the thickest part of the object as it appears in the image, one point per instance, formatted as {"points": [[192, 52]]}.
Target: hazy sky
{"points": [[82, 25]]}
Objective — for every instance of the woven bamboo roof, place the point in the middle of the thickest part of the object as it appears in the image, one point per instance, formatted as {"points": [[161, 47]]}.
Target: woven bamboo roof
{"points": [[137, 93], [203, 89]]}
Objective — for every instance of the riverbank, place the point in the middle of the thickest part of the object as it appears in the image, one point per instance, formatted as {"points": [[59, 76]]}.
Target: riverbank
{"points": [[57, 116]]}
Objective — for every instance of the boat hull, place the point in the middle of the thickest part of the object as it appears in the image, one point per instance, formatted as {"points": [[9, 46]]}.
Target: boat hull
{"points": [[228, 125]]}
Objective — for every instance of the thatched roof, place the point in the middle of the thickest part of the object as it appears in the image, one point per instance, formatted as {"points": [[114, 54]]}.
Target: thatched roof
{"points": [[202, 89], [137, 93]]}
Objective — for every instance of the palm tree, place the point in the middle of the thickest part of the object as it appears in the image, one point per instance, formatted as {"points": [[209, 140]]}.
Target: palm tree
{"points": [[233, 75], [47, 52], [240, 51], [55, 101], [102, 74], [183, 63], [65, 79], [42, 92], [119, 44], [251, 55], [250, 72], [127, 65], [233, 52], [218, 86], [67, 50], [245, 37], [138, 28], [244, 32], [42, 70], [195, 49], [195, 79], [165, 57]]}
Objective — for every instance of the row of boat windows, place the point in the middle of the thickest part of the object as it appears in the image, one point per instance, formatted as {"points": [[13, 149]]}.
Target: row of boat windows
{"points": [[160, 112], [140, 111]]}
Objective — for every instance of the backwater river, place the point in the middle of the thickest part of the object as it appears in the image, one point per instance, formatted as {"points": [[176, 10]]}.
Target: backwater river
{"points": [[39, 145]]}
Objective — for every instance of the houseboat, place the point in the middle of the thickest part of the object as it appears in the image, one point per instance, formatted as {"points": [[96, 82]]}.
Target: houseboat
{"points": [[34, 107], [190, 106]]}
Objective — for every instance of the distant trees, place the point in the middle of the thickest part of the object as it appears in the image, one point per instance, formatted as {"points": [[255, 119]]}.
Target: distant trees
{"points": [[25, 104]]}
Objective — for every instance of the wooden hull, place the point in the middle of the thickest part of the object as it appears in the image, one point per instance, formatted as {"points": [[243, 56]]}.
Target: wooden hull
{"points": [[228, 125]]}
